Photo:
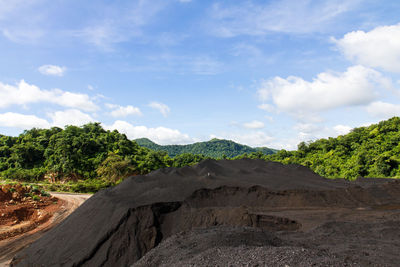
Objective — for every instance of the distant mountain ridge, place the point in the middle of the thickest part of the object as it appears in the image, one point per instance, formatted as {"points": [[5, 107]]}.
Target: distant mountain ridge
{"points": [[215, 148]]}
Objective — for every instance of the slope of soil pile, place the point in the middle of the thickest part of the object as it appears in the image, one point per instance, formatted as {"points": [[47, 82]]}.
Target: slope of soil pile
{"points": [[118, 226]]}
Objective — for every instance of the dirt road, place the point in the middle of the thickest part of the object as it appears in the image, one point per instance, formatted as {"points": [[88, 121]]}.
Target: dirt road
{"points": [[9, 247]]}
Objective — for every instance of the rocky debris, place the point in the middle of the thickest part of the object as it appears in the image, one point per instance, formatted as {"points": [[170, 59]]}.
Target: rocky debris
{"points": [[227, 246], [22, 208]]}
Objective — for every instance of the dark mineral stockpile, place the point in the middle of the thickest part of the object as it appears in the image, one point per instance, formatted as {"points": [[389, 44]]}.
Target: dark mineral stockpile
{"points": [[229, 212]]}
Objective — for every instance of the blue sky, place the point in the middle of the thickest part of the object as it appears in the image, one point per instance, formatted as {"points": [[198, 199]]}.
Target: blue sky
{"points": [[262, 73]]}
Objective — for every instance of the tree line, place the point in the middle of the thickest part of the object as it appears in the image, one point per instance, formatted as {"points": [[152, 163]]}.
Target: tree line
{"points": [[215, 148], [372, 151], [78, 153], [90, 152]]}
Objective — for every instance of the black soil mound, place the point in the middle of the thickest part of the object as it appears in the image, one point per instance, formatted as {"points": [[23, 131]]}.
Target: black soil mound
{"points": [[118, 226]]}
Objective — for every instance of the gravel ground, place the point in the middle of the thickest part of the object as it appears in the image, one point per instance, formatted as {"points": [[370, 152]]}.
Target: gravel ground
{"points": [[221, 246]]}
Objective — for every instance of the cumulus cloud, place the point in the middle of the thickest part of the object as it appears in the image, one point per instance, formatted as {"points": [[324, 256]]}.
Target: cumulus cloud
{"points": [[22, 121], [383, 110], [58, 118], [120, 111], [342, 129], [52, 70], [254, 125], [69, 117], [164, 109], [24, 94], [379, 47], [160, 135], [358, 85]]}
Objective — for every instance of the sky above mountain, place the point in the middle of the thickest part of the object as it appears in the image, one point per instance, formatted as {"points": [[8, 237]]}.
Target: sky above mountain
{"points": [[261, 73]]}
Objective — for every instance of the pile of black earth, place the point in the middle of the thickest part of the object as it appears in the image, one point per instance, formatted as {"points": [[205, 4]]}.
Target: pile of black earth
{"points": [[120, 225]]}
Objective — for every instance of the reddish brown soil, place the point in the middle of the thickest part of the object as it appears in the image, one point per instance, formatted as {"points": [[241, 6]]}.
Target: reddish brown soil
{"points": [[20, 216], [32, 229]]}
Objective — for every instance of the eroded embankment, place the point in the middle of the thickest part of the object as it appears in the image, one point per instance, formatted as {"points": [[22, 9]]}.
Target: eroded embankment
{"points": [[66, 204], [116, 227]]}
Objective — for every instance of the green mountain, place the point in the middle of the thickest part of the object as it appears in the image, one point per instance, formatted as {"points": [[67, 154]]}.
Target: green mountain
{"points": [[215, 148], [372, 151], [75, 153]]}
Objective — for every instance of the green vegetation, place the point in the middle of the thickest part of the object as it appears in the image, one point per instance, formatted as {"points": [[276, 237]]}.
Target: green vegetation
{"points": [[372, 151], [215, 148], [89, 158], [79, 159], [82, 155]]}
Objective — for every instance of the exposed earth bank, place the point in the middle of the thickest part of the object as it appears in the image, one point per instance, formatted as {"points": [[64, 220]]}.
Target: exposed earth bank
{"points": [[238, 212], [26, 221]]}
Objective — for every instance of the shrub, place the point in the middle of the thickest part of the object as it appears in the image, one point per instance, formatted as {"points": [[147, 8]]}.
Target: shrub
{"points": [[44, 193]]}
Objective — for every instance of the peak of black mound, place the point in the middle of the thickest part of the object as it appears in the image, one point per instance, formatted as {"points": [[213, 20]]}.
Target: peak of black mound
{"points": [[117, 226]]}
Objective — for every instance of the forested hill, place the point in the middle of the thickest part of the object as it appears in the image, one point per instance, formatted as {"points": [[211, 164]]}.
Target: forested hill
{"points": [[75, 153], [215, 148], [372, 151]]}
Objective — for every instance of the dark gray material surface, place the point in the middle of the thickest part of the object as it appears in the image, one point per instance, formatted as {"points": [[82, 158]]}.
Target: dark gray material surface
{"points": [[117, 226]]}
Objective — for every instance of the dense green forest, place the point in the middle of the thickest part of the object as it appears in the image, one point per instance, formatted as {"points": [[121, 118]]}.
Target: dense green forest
{"points": [[77, 153], [372, 151], [215, 148]]}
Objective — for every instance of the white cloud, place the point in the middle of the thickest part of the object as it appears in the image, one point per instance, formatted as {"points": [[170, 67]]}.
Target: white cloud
{"points": [[23, 35], [342, 129], [18, 23], [253, 139], [52, 70], [383, 110], [24, 94], [379, 47], [58, 118], [307, 128], [302, 16], [357, 86], [254, 125], [11, 119], [160, 135], [118, 23], [70, 117], [185, 1], [120, 111], [181, 64], [164, 109], [267, 107], [103, 35]]}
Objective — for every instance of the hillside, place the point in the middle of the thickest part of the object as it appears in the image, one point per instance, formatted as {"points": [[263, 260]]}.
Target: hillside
{"points": [[215, 148], [75, 153], [372, 151]]}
